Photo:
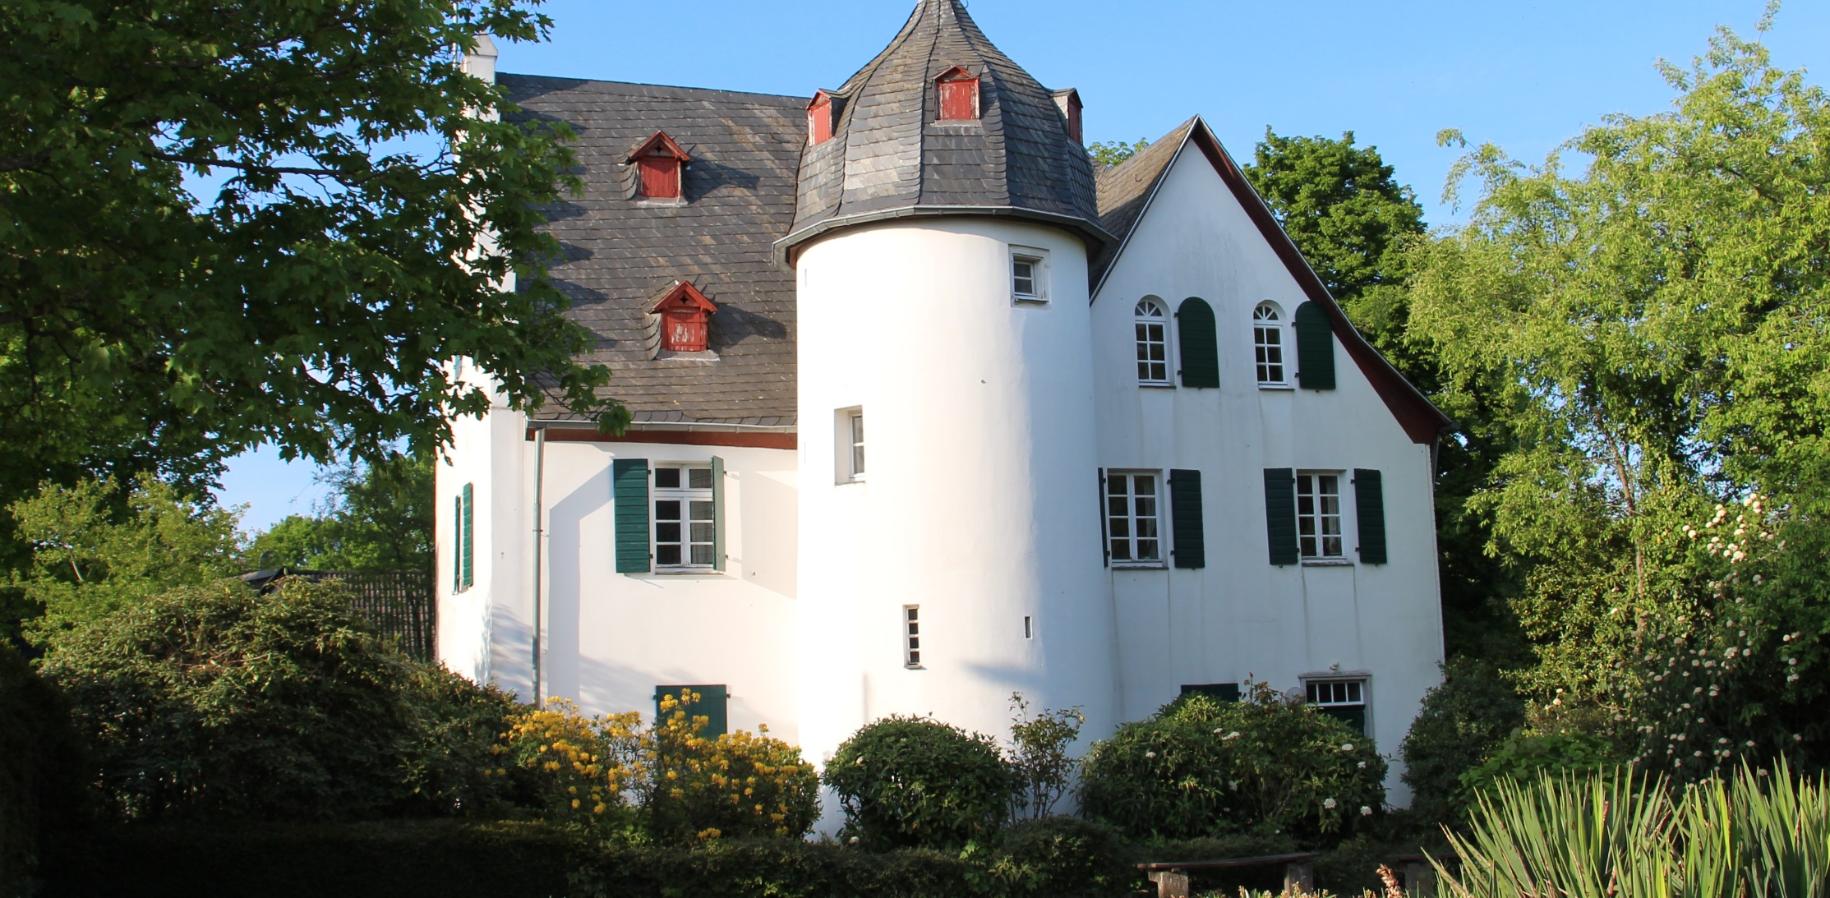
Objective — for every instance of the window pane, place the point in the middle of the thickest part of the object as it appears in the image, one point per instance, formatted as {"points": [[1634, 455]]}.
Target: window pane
{"points": [[702, 510], [667, 532], [667, 510], [699, 478], [702, 554], [668, 556], [702, 533], [667, 478], [1121, 550], [857, 459], [1146, 549]]}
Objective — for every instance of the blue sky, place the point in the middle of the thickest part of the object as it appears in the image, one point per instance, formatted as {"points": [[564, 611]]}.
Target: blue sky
{"points": [[1524, 75]]}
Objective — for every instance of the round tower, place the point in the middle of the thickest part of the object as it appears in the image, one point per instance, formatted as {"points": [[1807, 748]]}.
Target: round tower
{"points": [[950, 547]]}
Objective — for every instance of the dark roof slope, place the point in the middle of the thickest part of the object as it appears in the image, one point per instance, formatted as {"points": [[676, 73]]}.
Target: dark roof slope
{"points": [[1125, 188], [620, 254], [889, 157]]}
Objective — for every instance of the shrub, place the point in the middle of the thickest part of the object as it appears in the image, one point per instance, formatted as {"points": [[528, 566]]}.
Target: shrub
{"points": [[1058, 857], [610, 777], [910, 781], [41, 765], [1618, 834], [1206, 767], [1526, 754], [214, 701], [1039, 756], [1461, 722]]}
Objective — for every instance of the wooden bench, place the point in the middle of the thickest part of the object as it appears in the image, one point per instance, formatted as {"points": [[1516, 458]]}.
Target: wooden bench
{"points": [[1171, 877]]}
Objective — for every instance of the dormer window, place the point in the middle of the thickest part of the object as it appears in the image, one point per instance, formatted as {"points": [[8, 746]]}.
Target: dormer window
{"points": [[685, 319], [660, 168], [820, 119], [959, 95], [1068, 101]]}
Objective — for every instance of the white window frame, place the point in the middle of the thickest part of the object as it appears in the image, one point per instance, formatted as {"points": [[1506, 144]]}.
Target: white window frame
{"points": [[686, 495], [1038, 275], [911, 637], [1313, 543], [848, 445], [1142, 321], [1270, 374], [1123, 485], [1334, 690]]}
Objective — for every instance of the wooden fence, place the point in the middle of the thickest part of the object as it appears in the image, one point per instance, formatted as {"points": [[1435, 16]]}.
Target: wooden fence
{"points": [[400, 605]]}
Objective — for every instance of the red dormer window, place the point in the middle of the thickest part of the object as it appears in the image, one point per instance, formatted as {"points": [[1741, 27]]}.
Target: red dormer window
{"points": [[819, 119], [685, 319], [1069, 103], [959, 95], [661, 168]]}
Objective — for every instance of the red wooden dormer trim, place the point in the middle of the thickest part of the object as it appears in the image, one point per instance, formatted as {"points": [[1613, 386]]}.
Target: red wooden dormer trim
{"points": [[958, 90], [685, 318], [819, 118], [662, 165]]}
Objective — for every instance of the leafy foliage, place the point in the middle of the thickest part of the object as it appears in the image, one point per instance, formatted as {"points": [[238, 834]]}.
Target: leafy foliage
{"points": [[612, 778], [1113, 152], [1619, 835], [1528, 754], [90, 558], [1057, 857], [1206, 767], [264, 226], [1039, 756], [380, 518], [917, 782], [42, 798], [214, 702], [1460, 723], [1634, 368]]}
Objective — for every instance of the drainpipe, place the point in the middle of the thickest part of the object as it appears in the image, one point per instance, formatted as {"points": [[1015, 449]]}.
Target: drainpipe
{"points": [[539, 545]]}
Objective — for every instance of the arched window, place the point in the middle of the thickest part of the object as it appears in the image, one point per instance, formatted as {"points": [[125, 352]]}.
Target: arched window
{"points": [[1268, 344], [1152, 330]]}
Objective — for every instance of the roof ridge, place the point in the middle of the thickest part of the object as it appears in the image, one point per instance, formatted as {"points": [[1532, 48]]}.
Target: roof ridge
{"points": [[650, 84]]}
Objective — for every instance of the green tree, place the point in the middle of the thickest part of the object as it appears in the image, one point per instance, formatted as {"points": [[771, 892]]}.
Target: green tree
{"points": [[1106, 153], [379, 517], [263, 222], [89, 559], [1643, 319]]}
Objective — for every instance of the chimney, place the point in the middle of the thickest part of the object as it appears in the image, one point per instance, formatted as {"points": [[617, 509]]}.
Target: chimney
{"points": [[1068, 101], [480, 62]]}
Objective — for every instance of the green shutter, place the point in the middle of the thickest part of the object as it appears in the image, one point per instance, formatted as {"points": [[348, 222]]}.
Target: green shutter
{"points": [[1314, 348], [629, 498], [1105, 538], [467, 557], [457, 543], [712, 704], [1369, 508], [1200, 351], [1280, 514], [1189, 547], [1226, 692], [717, 513]]}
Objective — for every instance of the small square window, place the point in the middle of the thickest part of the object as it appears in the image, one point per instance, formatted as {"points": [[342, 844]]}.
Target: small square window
{"points": [[1029, 275]]}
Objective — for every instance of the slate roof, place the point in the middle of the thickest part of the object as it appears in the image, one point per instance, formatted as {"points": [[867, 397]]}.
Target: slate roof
{"points": [[620, 254], [889, 157], [1125, 188]]}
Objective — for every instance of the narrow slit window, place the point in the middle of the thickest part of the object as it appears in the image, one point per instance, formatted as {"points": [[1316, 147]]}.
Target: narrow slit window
{"points": [[1151, 330], [911, 635], [848, 445]]}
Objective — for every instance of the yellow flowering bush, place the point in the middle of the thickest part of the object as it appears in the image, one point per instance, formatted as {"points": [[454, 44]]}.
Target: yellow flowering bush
{"points": [[613, 777]]}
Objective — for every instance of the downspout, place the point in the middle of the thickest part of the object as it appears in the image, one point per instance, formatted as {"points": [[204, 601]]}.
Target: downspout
{"points": [[539, 544]]}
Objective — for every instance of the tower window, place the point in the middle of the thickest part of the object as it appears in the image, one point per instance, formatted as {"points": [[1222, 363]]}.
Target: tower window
{"points": [[959, 95], [911, 635], [1028, 275], [1151, 327], [848, 445], [661, 168], [1268, 344]]}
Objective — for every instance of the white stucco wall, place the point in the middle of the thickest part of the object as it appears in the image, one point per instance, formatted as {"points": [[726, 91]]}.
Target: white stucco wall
{"points": [[1240, 617], [978, 499], [485, 453]]}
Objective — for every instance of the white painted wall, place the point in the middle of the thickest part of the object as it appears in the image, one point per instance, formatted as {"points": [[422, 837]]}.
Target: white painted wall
{"points": [[1240, 617], [978, 503], [485, 453]]}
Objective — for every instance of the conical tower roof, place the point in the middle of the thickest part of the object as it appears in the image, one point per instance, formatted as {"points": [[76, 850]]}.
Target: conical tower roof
{"points": [[890, 156]]}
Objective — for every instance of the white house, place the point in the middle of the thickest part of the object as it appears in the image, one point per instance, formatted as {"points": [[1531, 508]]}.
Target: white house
{"points": [[927, 412]]}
